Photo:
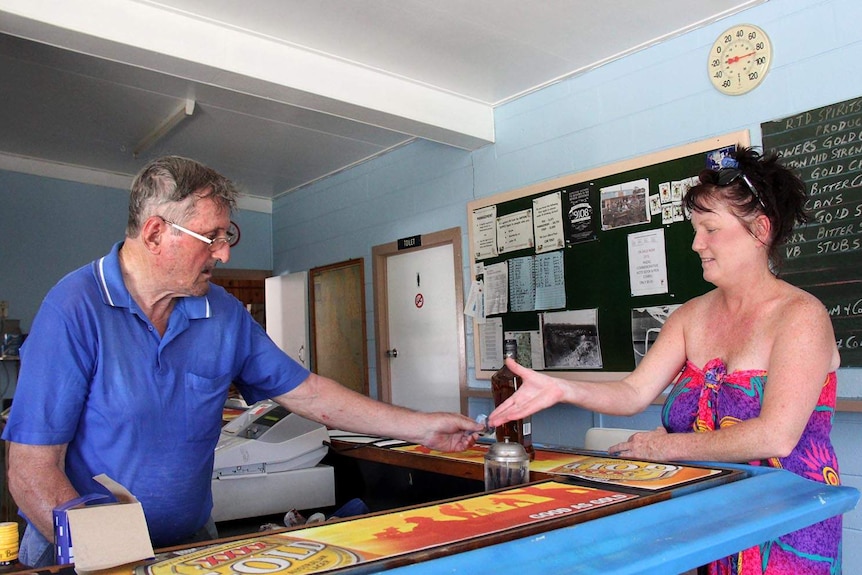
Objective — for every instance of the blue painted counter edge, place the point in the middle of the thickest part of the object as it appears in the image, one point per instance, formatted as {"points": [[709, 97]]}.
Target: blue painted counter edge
{"points": [[670, 536]]}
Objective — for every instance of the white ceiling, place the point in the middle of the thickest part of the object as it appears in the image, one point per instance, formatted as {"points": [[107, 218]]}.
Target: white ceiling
{"points": [[286, 92]]}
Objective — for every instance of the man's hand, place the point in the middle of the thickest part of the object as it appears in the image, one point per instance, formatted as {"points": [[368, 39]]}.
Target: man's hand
{"points": [[450, 432]]}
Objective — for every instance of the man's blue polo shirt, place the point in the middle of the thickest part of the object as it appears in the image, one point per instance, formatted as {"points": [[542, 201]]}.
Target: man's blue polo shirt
{"points": [[142, 408]]}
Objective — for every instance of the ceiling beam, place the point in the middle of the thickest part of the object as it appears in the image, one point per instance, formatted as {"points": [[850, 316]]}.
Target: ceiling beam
{"points": [[152, 37]]}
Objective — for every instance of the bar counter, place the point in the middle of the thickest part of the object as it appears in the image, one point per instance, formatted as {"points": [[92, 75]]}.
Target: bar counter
{"points": [[665, 530]]}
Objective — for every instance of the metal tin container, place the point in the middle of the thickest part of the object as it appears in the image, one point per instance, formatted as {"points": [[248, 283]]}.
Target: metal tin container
{"points": [[506, 464]]}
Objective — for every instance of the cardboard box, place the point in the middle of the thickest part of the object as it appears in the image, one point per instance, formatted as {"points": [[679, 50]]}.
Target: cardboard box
{"points": [[100, 536]]}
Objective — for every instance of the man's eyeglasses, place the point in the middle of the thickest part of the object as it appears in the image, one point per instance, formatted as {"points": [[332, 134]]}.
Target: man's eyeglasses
{"points": [[729, 173], [214, 243]]}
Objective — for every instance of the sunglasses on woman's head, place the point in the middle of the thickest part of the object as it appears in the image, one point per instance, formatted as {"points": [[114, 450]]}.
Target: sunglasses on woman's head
{"points": [[730, 172]]}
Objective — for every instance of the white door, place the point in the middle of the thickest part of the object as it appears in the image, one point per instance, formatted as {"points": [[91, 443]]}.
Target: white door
{"points": [[423, 353], [287, 314]]}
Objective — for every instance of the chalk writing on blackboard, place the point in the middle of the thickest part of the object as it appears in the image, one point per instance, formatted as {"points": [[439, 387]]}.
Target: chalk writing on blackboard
{"points": [[825, 255], [846, 316]]}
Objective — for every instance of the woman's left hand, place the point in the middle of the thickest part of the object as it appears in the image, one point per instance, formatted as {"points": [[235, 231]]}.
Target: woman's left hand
{"points": [[642, 445]]}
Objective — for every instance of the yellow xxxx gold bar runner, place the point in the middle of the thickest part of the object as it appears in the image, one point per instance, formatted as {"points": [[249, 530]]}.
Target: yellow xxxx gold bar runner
{"points": [[593, 467], [469, 522]]}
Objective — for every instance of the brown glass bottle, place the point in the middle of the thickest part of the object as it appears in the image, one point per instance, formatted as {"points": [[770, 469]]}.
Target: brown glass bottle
{"points": [[503, 384]]}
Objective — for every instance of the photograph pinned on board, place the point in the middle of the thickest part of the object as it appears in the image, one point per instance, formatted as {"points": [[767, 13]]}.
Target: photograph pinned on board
{"points": [[529, 348], [571, 339], [646, 326], [625, 204]]}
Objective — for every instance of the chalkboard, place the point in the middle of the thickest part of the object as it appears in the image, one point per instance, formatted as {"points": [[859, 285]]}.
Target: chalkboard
{"points": [[597, 270], [824, 256]]}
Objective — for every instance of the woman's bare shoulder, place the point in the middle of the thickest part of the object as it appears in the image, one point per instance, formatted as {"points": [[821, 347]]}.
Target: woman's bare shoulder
{"points": [[802, 313], [697, 305], [804, 316], [799, 301]]}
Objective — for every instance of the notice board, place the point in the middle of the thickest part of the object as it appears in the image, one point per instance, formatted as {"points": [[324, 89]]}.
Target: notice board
{"points": [[824, 256], [577, 294]]}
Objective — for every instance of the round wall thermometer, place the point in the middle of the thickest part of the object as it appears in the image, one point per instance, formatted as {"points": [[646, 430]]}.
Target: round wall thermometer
{"points": [[234, 233], [739, 59]]}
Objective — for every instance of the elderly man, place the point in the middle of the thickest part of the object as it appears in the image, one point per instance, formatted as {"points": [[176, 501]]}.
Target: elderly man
{"points": [[129, 361]]}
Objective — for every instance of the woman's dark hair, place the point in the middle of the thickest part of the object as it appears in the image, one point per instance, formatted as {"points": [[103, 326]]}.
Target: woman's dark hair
{"points": [[749, 183]]}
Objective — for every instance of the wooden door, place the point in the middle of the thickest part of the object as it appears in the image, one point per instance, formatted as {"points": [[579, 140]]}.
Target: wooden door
{"points": [[338, 337]]}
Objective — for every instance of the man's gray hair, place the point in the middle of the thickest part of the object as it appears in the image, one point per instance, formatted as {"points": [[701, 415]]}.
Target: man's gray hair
{"points": [[163, 187]]}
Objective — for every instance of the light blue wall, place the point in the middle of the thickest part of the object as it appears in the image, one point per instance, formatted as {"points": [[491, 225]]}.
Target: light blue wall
{"points": [[49, 227], [655, 99], [416, 189]]}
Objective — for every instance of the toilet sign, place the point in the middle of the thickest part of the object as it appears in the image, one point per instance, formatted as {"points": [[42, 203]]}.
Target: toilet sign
{"points": [[411, 242]]}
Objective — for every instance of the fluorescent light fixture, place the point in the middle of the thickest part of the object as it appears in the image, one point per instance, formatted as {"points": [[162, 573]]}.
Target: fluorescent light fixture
{"points": [[181, 113]]}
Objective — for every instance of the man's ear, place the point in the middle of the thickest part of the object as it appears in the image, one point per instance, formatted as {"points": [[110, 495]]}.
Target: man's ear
{"points": [[152, 233]]}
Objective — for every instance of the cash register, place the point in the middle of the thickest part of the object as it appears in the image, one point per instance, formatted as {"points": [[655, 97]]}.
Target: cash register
{"points": [[267, 461]]}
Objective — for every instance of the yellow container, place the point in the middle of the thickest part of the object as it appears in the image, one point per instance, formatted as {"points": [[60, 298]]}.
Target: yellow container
{"points": [[8, 542]]}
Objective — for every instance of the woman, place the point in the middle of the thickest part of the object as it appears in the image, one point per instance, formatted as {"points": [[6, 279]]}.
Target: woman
{"points": [[753, 361]]}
